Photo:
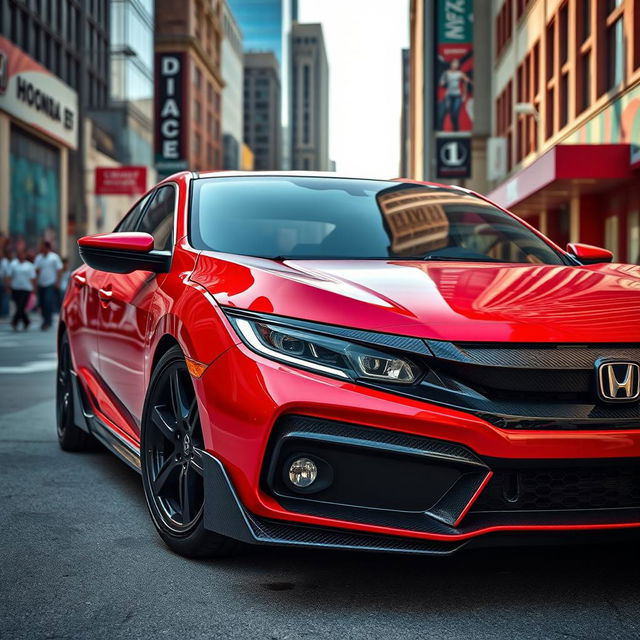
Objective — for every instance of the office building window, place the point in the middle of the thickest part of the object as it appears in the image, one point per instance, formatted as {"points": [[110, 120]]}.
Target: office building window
{"points": [[504, 26], [564, 34], [615, 54]]}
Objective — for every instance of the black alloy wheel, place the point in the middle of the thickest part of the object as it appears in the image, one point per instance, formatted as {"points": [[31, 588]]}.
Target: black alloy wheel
{"points": [[172, 461], [70, 436]]}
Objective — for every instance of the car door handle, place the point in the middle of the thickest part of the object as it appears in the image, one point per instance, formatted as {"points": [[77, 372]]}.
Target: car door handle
{"points": [[79, 280], [105, 295]]}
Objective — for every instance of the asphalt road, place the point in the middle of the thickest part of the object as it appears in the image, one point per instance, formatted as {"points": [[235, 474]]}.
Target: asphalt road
{"points": [[79, 558]]}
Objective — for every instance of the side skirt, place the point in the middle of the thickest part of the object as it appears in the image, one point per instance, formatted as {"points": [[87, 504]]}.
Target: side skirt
{"points": [[86, 420]]}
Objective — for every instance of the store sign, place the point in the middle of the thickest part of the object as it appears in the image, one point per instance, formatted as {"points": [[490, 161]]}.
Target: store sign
{"points": [[170, 117], [32, 94], [496, 158], [128, 181], [454, 65], [453, 157]]}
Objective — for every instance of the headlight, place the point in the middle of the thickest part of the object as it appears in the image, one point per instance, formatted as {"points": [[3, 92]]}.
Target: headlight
{"points": [[325, 354]]}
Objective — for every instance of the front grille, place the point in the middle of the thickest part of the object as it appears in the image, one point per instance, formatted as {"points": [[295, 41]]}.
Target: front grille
{"points": [[527, 386], [550, 488]]}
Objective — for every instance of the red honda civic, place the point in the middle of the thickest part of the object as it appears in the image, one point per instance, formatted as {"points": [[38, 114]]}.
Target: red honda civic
{"points": [[310, 360]]}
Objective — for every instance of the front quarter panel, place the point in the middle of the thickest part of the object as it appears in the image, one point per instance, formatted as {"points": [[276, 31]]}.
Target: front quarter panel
{"points": [[184, 310]]}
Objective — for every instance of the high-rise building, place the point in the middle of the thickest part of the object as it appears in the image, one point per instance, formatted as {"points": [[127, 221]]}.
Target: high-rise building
{"points": [[566, 119], [54, 58], [450, 92], [309, 99], [188, 85], [266, 26], [129, 117], [262, 130], [232, 94], [404, 115]]}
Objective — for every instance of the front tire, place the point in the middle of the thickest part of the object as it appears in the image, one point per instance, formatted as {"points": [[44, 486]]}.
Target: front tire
{"points": [[171, 460], [70, 436]]}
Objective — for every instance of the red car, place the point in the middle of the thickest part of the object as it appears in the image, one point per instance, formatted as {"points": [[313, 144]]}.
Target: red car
{"points": [[304, 359]]}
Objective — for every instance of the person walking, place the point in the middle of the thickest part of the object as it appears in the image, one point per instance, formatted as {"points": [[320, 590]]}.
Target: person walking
{"points": [[49, 269], [21, 280], [5, 262]]}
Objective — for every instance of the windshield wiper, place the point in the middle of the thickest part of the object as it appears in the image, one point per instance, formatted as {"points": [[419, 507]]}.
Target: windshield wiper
{"points": [[459, 259]]}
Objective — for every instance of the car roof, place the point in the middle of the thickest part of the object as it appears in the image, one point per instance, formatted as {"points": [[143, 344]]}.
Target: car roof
{"points": [[308, 174]]}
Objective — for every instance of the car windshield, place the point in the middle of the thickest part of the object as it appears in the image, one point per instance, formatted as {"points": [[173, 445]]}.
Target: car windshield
{"points": [[334, 218]]}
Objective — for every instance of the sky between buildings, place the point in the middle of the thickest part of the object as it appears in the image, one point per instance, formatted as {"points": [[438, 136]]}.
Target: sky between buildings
{"points": [[364, 39]]}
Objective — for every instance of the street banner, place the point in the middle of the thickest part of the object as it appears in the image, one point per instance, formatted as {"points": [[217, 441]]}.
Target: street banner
{"points": [[120, 181], [170, 116], [454, 65]]}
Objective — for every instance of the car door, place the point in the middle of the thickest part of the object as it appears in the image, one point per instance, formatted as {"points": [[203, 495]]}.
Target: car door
{"points": [[127, 301], [85, 315]]}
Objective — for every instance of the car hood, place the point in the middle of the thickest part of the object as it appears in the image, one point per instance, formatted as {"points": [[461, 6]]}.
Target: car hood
{"points": [[451, 301]]}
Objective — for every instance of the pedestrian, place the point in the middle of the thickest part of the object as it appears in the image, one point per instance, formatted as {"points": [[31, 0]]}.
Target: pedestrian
{"points": [[49, 269], [5, 262], [21, 280]]}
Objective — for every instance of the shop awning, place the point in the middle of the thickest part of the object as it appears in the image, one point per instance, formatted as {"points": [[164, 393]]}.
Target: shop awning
{"points": [[564, 171]]}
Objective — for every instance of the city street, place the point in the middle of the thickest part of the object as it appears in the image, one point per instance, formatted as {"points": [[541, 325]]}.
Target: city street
{"points": [[82, 560]]}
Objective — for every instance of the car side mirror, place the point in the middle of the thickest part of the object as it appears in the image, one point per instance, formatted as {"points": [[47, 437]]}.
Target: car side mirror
{"points": [[588, 254], [123, 253]]}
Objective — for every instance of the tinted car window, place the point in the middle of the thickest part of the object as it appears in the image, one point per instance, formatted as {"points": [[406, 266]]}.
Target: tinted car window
{"points": [[158, 218], [283, 216], [130, 220]]}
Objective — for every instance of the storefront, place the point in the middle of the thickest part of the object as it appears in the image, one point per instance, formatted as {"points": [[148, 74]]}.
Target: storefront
{"points": [[587, 188], [38, 127]]}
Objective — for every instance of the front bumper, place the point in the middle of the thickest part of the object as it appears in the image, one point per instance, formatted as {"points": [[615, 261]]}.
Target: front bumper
{"points": [[245, 401]]}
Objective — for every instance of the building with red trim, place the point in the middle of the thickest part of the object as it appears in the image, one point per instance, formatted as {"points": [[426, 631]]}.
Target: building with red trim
{"points": [[566, 103]]}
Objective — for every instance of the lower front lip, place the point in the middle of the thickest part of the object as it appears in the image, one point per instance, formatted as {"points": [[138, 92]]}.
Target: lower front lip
{"points": [[240, 413]]}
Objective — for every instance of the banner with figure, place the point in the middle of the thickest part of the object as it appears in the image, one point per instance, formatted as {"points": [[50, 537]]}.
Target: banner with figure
{"points": [[454, 65]]}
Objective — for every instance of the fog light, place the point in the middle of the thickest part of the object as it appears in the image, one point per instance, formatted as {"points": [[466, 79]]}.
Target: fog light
{"points": [[303, 472]]}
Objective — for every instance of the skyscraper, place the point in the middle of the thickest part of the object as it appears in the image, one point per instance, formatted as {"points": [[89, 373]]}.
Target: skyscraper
{"points": [[262, 107], [129, 118], [309, 99], [232, 101], [266, 26], [188, 85]]}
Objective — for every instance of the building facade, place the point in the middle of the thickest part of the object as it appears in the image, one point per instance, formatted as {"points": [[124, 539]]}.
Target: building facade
{"points": [[129, 116], [309, 99], [449, 92], [188, 79], [566, 105], [232, 94], [266, 26], [262, 109], [55, 62]]}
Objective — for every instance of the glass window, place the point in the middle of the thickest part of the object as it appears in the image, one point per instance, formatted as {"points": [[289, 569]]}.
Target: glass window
{"points": [[310, 218], [130, 220], [615, 57], [158, 218], [34, 188]]}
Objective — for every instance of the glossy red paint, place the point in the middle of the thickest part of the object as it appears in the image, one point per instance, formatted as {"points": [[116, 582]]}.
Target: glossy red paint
{"points": [[444, 301], [588, 252], [117, 324], [130, 241]]}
